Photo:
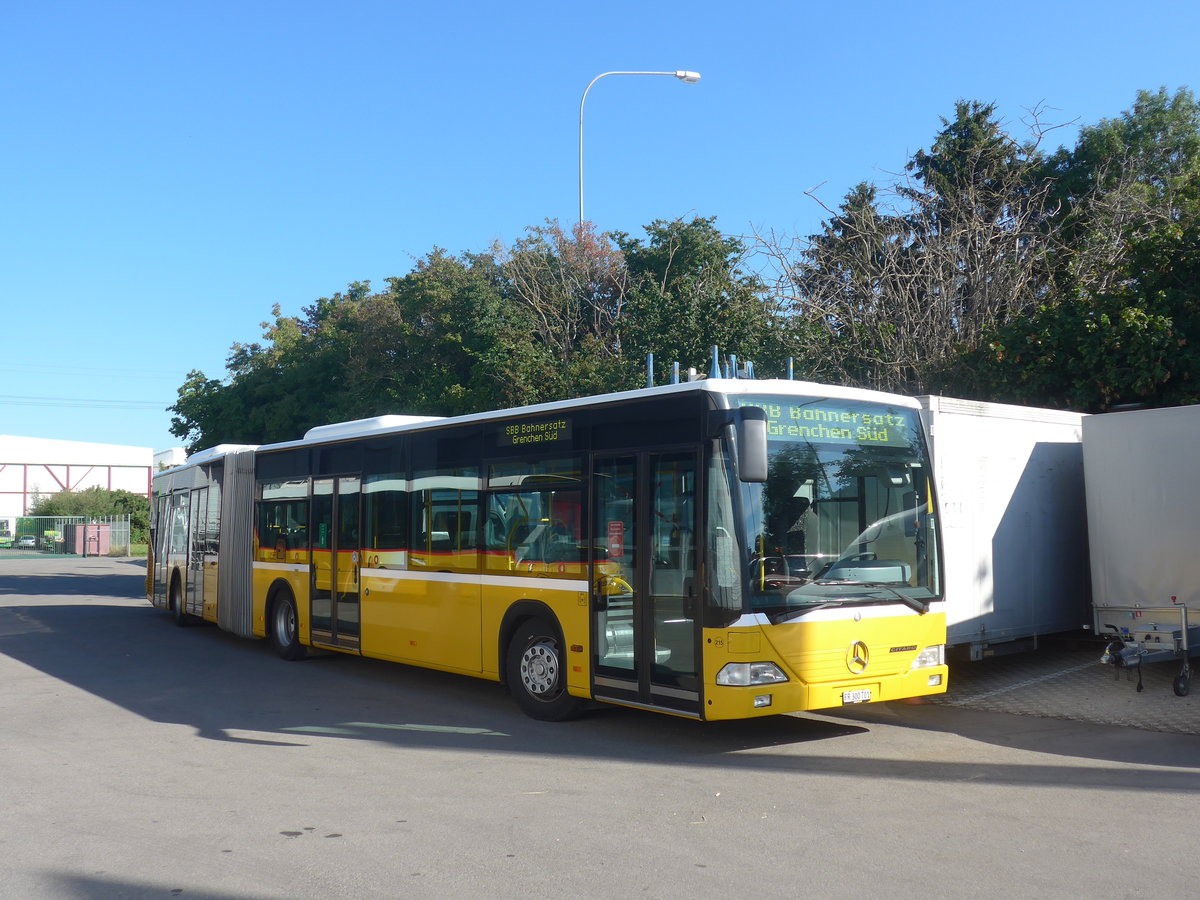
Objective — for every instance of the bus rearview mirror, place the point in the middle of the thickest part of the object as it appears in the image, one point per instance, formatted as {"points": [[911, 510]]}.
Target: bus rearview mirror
{"points": [[751, 428]]}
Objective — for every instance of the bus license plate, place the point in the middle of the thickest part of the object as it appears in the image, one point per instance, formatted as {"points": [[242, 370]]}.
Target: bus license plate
{"points": [[863, 695]]}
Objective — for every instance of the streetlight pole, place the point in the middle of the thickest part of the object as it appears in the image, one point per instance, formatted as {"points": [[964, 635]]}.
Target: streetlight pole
{"points": [[685, 77]]}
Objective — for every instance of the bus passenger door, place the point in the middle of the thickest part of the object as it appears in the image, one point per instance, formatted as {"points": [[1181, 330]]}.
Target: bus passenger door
{"points": [[335, 561], [644, 580], [197, 538], [161, 534]]}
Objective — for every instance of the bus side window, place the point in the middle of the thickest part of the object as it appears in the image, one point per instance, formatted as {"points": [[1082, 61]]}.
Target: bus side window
{"points": [[385, 521], [537, 528], [282, 517], [445, 513]]}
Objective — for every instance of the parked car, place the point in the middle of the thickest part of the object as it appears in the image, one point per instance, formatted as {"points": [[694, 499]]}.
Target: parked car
{"points": [[29, 542]]}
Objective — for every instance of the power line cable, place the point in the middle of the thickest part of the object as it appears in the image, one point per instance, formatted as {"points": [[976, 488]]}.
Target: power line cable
{"points": [[84, 402]]}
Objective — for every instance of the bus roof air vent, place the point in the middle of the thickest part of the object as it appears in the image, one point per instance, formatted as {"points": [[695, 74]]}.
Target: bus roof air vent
{"points": [[364, 426]]}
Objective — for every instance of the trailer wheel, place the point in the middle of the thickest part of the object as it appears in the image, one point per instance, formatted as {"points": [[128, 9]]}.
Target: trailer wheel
{"points": [[1182, 684]]}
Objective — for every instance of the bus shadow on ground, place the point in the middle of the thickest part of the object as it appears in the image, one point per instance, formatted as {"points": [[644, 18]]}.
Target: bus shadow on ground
{"points": [[230, 689]]}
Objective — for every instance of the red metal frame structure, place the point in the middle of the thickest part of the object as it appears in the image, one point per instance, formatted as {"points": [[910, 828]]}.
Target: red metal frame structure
{"points": [[69, 481]]}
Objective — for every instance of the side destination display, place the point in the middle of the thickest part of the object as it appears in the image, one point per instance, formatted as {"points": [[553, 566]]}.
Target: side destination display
{"points": [[833, 422], [535, 431]]}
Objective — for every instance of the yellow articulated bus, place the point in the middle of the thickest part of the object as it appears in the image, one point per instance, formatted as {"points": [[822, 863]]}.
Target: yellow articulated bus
{"points": [[719, 549]]}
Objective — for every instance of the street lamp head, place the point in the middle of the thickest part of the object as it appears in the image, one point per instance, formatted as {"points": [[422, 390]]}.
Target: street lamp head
{"points": [[685, 77]]}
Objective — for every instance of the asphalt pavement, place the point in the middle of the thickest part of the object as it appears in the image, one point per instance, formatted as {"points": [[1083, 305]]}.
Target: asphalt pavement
{"points": [[1061, 679], [144, 760]]}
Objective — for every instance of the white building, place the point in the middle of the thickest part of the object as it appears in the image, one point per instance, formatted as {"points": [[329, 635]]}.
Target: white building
{"points": [[41, 467]]}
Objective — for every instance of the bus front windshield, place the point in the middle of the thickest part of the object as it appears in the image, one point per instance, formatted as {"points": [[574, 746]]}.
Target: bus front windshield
{"points": [[844, 517]]}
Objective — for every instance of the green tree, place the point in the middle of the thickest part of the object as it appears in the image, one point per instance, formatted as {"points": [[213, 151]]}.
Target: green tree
{"points": [[571, 290], [1128, 180], [847, 286], [1127, 326], [1085, 355], [900, 279], [468, 347], [441, 340], [690, 289]]}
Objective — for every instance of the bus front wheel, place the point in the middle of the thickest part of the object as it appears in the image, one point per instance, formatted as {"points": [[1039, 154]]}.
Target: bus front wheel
{"points": [[536, 670], [285, 627]]}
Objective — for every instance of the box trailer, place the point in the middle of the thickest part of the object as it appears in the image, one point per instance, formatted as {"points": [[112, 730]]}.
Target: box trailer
{"points": [[1143, 503], [1010, 491]]}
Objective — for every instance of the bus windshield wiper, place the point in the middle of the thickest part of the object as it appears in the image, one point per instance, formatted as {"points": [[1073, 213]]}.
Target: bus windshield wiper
{"points": [[912, 602]]}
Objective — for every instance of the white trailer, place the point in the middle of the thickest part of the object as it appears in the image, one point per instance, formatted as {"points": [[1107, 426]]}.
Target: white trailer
{"points": [[1009, 483], [1143, 504]]}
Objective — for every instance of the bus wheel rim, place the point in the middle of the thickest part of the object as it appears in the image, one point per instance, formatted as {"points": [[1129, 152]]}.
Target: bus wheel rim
{"points": [[539, 668], [285, 622]]}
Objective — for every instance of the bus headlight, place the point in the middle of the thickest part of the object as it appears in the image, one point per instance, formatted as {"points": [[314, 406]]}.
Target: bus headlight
{"points": [[933, 655], [750, 673]]}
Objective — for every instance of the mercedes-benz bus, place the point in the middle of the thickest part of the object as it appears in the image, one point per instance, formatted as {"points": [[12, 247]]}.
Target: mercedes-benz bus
{"points": [[717, 549]]}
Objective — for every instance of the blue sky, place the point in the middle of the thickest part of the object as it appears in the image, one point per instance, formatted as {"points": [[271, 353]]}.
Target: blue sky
{"points": [[172, 170]]}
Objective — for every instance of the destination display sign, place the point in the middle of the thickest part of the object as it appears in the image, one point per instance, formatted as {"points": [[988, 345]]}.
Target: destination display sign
{"points": [[535, 431], [820, 421]]}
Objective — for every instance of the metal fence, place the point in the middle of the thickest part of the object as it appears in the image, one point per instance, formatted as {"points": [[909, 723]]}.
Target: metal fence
{"points": [[32, 536]]}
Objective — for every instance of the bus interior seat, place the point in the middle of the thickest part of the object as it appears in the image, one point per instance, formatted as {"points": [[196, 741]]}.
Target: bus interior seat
{"points": [[494, 538], [444, 531]]}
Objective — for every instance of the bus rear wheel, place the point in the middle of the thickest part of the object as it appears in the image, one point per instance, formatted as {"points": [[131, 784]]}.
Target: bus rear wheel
{"points": [[536, 672], [180, 617], [285, 627]]}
